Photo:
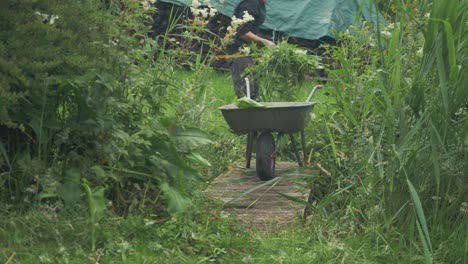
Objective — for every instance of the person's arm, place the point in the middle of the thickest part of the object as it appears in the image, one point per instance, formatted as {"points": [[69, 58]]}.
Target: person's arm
{"points": [[249, 36]]}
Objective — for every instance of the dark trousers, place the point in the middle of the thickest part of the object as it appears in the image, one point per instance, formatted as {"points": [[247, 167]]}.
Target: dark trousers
{"points": [[238, 67]]}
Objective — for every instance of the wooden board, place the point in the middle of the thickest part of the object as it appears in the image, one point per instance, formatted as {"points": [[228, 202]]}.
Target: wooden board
{"points": [[262, 206]]}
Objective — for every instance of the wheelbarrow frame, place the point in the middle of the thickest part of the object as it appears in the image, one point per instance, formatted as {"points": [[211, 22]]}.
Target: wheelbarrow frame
{"points": [[281, 117]]}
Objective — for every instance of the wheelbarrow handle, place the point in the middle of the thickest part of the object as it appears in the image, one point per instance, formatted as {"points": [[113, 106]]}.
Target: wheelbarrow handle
{"points": [[313, 92]]}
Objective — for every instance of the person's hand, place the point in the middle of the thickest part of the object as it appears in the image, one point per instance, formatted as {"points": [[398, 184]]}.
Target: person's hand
{"points": [[268, 43]]}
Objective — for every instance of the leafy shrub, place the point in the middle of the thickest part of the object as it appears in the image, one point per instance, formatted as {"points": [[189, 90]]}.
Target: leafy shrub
{"points": [[83, 92]]}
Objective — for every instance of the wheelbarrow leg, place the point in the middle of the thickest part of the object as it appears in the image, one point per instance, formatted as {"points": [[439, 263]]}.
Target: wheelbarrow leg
{"points": [[295, 149], [278, 141], [248, 153], [303, 146]]}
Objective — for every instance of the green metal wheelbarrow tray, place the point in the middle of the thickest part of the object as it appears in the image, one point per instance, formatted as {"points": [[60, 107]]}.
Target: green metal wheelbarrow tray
{"points": [[260, 123]]}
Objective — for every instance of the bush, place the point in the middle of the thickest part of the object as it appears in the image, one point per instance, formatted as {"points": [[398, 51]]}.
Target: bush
{"points": [[81, 95]]}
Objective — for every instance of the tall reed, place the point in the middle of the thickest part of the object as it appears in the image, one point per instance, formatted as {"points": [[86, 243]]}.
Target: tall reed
{"points": [[400, 128]]}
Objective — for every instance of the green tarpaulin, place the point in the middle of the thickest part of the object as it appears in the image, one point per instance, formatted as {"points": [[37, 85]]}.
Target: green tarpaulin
{"points": [[308, 19]]}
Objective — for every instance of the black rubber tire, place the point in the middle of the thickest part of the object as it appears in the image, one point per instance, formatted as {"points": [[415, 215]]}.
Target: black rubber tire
{"points": [[265, 156]]}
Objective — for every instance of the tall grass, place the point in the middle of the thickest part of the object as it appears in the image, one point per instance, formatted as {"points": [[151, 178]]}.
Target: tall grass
{"points": [[404, 142]]}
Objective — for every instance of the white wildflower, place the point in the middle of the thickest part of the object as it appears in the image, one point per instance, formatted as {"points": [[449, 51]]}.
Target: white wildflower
{"points": [[45, 17], [147, 4], [420, 52], [247, 17], [115, 42], [50, 19], [300, 52], [245, 50], [195, 4], [195, 11], [386, 33], [464, 207], [235, 24], [204, 12], [213, 11], [348, 33], [53, 18]]}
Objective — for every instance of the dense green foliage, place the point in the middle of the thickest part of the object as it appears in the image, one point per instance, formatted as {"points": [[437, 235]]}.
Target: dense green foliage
{"points": [[283, 69], [96, 117], [82, 97], [398, 135]]}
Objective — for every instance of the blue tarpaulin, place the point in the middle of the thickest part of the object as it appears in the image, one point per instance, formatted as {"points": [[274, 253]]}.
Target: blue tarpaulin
{"points": [[308, 19]]}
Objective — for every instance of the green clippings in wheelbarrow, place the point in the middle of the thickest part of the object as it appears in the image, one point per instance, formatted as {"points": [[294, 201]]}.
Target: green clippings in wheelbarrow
{"points": [[246, 102]]}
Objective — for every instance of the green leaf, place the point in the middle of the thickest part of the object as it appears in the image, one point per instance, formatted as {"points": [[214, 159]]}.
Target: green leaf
{"points": [[198, 158], [246, 102], [189, 139], [176, 202], [99, 171], [96, 201], [427, 253], [4, 154], [420, 213], [70, 192], [330, 197], [464, 134]]}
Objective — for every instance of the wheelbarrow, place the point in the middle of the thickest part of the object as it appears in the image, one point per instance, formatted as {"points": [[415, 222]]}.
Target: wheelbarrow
{"points": [[260, 123]]}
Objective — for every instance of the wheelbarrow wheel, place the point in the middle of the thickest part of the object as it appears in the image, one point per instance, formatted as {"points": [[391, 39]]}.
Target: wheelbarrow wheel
{"points": [[265, 157]]}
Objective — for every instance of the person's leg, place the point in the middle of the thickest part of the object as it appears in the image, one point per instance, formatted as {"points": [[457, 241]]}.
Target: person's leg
{"points": [[239, 65]]}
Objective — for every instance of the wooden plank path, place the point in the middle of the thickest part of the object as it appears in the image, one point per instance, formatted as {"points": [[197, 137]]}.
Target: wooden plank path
{"points": [[262, 206]]}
